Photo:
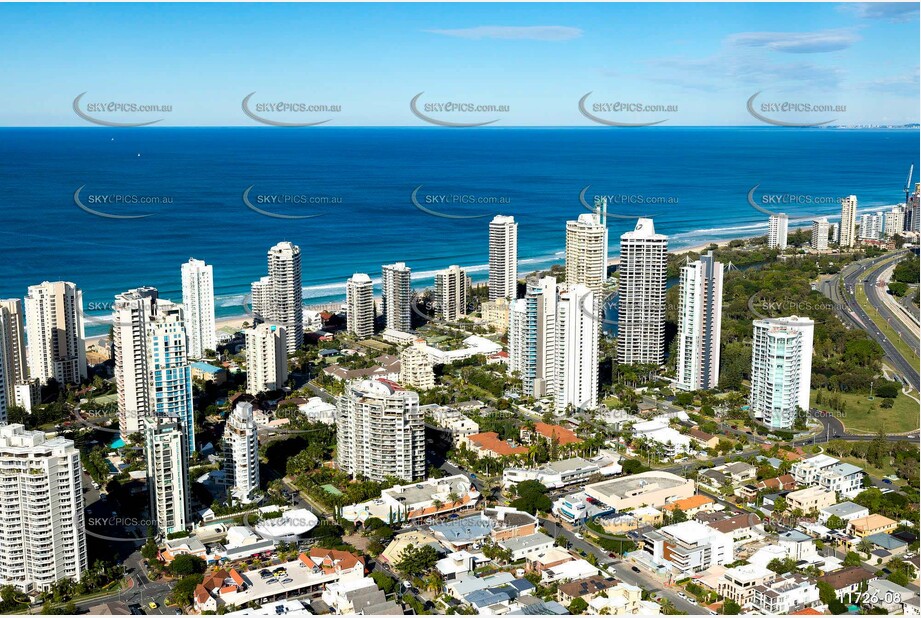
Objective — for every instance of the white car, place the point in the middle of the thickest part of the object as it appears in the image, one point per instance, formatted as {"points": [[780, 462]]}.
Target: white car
{"points": [[578, 536]]}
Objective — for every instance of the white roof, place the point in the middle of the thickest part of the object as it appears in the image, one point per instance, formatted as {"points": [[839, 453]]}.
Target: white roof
{"points": [[690, 531]]}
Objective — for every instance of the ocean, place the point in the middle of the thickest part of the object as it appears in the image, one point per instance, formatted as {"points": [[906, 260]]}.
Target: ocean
{"points": [[363, 197]]}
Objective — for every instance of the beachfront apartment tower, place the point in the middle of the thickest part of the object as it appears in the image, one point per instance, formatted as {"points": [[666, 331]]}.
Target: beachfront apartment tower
{"points": [[503, 258], [266, 358], [532, 334], [893, 222], [359, 300], [781, 373], [380, 431], [641, 297], [700, 318], [13, 367], [577, 335], [42, 536], [241, 452], [286, 306], [871, 226], [846, 235], [396, 296], [198, 302], [820, 228], [587, 250], [54, 332], [261, 299], [777, 231], [167, 452], [451, 285]]}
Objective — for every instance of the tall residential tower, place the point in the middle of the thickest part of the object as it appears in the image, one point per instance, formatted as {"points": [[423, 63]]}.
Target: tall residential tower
{"points": [[700, 316], [198, 303], [503, 258], [641, 302]]}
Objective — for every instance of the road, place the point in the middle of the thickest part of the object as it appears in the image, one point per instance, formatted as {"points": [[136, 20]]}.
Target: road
{"points": [[620, 569], [866, 273]]}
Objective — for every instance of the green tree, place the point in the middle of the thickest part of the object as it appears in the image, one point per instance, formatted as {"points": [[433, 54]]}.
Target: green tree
{"points": [[577, 606], [532, 497], [186, 565], [184, 590], [835, 523], [417, 559], [827, 593], [731, 608]]}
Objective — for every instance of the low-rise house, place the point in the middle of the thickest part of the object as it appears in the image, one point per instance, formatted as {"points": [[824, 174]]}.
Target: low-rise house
{"points": [[810, 499], [417, 538], [183, 546], [846, 511], [740, 528], [457, 564], [524, 547], [354, 596], [732, 474], [739, 583], [786, 594], [568, 571], [891, 597], [670, 442], [586, 589], [799, 546], [690, 506], [553, 557], [829, 473], [847, 582], [387, 368], [703, 439], [784, 482], [464, 585], [871, 524], [623, 600], [554, 433], [888, 545], [498, 600], [208, 372], [451, 419], [496, 523], [688, 547]]}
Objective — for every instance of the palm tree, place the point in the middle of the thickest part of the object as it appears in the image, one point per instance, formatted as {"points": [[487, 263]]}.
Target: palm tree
{"points": [[865, 546]]}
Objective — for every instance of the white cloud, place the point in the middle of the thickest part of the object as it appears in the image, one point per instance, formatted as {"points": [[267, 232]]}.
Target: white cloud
{"points": [[519, 33], [891, 11], [796, 42]]}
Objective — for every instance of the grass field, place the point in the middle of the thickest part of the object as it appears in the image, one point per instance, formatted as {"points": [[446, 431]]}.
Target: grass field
{"points": [[862, 415]]}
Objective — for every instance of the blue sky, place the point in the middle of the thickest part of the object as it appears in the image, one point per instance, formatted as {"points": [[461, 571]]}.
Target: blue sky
{"points": [[537, 59]]}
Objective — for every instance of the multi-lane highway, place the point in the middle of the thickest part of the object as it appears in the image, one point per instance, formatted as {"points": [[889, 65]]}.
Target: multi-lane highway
{"points": [[841, 288]]}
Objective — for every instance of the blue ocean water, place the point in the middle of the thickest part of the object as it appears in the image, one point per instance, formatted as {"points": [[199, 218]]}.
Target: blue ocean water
{"points": [[693, 181]]}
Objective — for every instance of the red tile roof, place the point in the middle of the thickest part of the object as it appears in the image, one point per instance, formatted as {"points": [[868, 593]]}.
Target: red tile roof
{"points": [[490, 441], [562, 435]]}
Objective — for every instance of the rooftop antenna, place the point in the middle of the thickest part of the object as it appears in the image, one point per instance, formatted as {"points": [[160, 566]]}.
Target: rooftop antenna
{"points": [[908, 183]]}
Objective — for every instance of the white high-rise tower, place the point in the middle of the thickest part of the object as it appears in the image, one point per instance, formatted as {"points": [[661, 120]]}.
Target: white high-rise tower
{"points": [[820, 228], [587, 250], [287, 308], [700, 315], [380, 431], [43, 535], [451, 293], [167, 453], [54, 329], [641, 303], [266, 358], [198, 302], [13, 368], [577, 335], [781, 373], [241, 452], [777, 231], [359, 298], [847, 234], [396, 296], [503, 258]]}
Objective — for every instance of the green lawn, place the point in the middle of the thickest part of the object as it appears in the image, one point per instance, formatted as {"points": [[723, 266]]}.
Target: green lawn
{"points": [[861, 415]]}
